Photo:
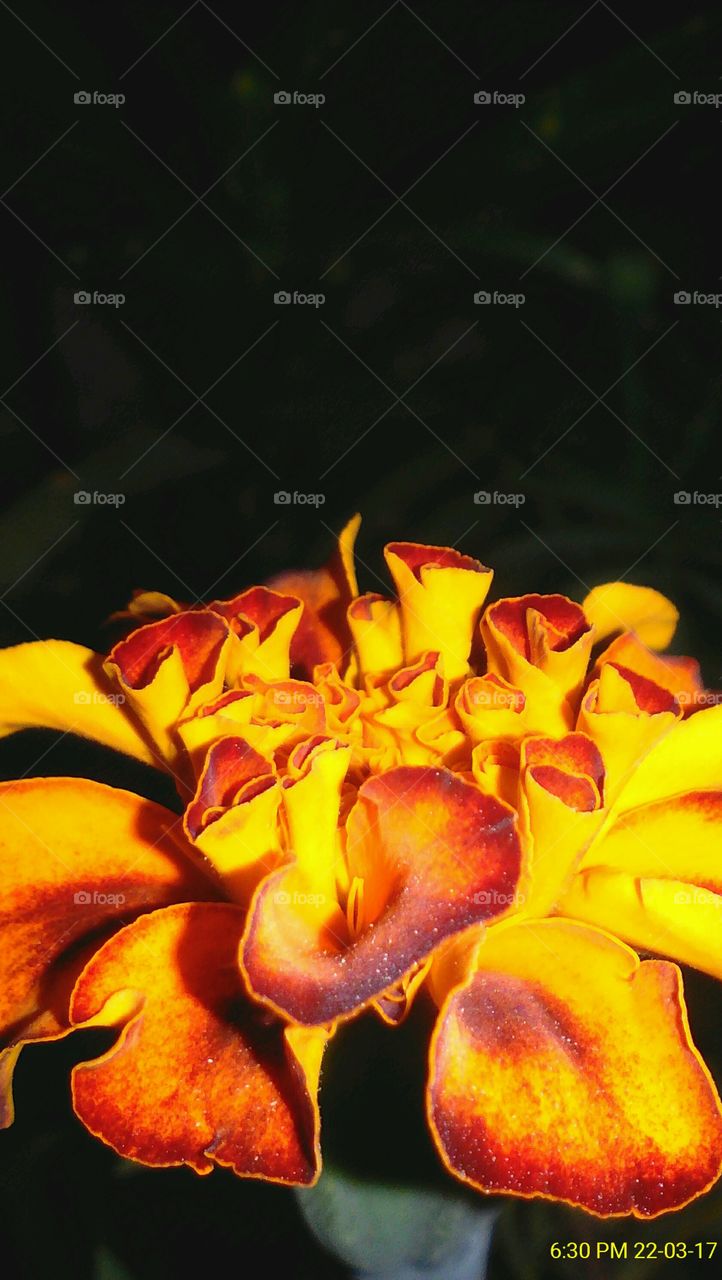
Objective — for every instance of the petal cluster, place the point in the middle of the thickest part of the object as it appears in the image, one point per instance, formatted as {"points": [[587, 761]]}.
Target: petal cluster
{"points": [[381, 798]]}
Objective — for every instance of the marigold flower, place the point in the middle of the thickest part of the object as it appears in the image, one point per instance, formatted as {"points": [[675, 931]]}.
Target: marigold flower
{"points": [[381, 796]]}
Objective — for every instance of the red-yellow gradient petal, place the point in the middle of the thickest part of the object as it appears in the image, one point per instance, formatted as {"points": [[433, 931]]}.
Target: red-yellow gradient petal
{"points": [[323, 634], [565, 1068], [540, 644], [441, 593], [54, 684], [78, 859], [198, 1074], [434, 855]]}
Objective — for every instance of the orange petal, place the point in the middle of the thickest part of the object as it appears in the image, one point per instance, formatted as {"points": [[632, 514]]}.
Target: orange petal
{"points": [[198, 1075], [54, 684], [434, 855], [441, 593], [78, 858], [620, 606], [169, 668], [565, 1069], [540, 644], [323, 634]]}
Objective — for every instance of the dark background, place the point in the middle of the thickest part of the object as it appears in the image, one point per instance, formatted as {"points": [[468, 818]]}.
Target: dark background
{"points": [[198, 398]]}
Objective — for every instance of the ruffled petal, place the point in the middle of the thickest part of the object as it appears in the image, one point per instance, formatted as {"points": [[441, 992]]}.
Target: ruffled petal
{"points": [[625, 714], [540, 644], [78, 858], [198, 1075], [564, 1068], [441, 593], [265, 623], [54, 684], [167, 669], [687, 759], [428, 855]]}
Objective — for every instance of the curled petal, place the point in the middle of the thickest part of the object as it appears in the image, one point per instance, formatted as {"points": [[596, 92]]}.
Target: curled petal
{"points": [[679, 676], [441, 593], [323, 634], [540, 644], [265, 623], [78, 859], [562, 785], [433, 856], [233, 817], [620, 606], [375, 624], [196, 1075], [625, 714], [54, 684], [616, 1112], [169, 668], [489, 707]]}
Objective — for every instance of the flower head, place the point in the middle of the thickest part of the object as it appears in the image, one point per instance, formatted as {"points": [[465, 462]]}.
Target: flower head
{"points": [[381, 796]]}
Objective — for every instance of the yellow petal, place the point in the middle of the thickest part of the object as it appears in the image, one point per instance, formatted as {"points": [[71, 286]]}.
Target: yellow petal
{"points": [[620, 606], [54, 684]]}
